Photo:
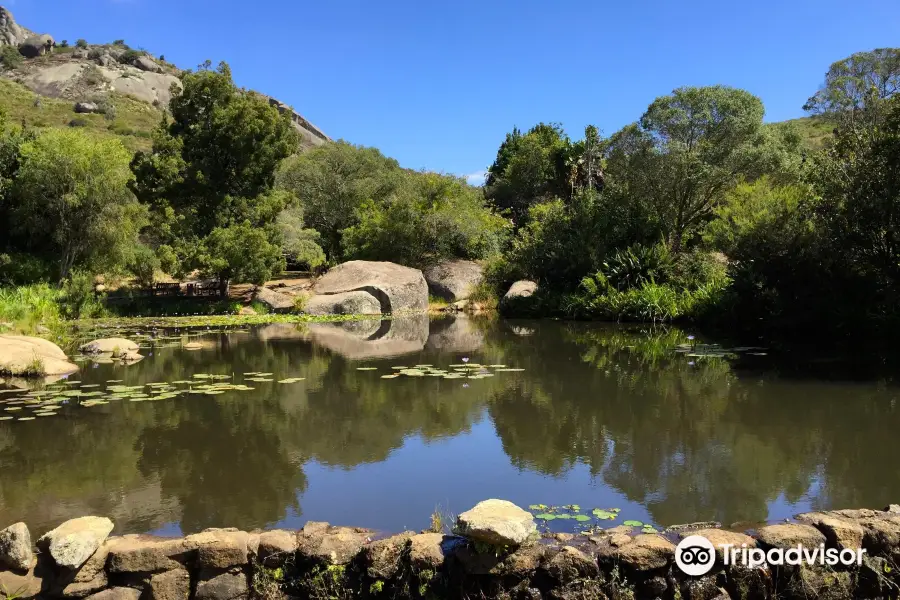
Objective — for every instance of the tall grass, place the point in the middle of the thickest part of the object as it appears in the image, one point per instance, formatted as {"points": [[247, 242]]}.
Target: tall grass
{"points": [[26, 307]]}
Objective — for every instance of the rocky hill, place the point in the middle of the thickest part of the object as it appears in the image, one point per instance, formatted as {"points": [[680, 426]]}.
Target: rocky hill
{"points": [[110, 88]]}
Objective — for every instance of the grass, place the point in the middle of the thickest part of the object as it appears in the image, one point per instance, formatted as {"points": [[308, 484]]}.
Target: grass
{"points": [[814, 131], [134, 122]]}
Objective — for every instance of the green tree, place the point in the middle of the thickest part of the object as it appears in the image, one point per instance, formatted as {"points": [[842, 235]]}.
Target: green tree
{"points": [[71, 197], [212, 167], [299, 243], [529, 169], [240, 252], [852, 83], [332, 182], [429, 218], [688, 150]]}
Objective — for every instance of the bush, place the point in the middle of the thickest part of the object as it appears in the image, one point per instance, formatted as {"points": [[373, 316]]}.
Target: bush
{"points": [[430, 218], [63, 44], [10, 57], [78, 122], [24, 269], [82, 43], [92, 75], [695, 269], [78, 299], [637, 265], [119, 43], [143, 265], [129, 56]]}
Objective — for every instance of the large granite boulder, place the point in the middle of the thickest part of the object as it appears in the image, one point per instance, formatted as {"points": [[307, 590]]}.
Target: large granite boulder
{"points": [[396, 287], [519, 300], [11, 33], [275, 301], [497, 522], [453, 280], [22, 355], [145, 63], [36, 45], [76, 540], [348, 303], [15, 547]]}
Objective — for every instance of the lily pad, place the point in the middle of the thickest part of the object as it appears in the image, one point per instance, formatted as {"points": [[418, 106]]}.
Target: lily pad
{"points": [[632, 523], [604, 514], [545, 517], [582, 518], [366, 368]]}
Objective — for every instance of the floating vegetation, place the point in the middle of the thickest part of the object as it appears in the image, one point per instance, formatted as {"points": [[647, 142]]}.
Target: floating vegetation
{"points": [[632, 523], [6, 418], [366, 368], [259, 379], [25, 419], [292, 380]]}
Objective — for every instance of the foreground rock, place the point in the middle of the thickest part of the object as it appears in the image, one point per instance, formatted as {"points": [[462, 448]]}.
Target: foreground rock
{"points": [[30, 356], [349, 303], [274, 301], [76, 540], [113, 346], [497, 522], [518, 300], [397, 288], [453, 280], [15, 547]]}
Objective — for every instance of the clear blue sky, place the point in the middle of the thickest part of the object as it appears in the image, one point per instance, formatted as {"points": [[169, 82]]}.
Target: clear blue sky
{"points": [[437, 85]]}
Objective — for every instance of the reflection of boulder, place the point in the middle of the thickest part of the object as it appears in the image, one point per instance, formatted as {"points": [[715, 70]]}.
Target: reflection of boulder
{"points": [[348, 303], [455, 333], [281, 331], [373, 339], [396, 287]]}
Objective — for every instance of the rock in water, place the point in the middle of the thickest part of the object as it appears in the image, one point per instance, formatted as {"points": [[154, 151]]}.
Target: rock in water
{"points": [[22, 355], [518, 299], [73, 542], [114, 346], [497, 522], [15, 547], [396, 287], [454, 280], [349, 303]]}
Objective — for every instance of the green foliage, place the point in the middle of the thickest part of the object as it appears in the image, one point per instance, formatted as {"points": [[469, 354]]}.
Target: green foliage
{"points": [[81, 43], [636, 265], [241, 253], [10, 57], [143, 265], [429, 218], [70, 199], [129, 56], [77, 298], [332, 182], [18, 268], [63, 44], [851, 82], [299, 244], [211, 174]]}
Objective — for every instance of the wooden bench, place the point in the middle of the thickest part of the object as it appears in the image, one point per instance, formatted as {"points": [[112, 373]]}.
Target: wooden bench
{"points": [[167, 289]]}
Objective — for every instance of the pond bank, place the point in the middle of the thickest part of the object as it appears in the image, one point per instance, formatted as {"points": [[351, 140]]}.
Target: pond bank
{"points": [[78, 560]]}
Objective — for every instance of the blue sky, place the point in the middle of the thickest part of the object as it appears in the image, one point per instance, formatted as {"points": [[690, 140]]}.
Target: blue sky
{"points": [[437, 85]]}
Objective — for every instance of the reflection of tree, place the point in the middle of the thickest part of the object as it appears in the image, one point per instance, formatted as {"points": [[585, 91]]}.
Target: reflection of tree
{"points": [[707, 441], [690, 442]]}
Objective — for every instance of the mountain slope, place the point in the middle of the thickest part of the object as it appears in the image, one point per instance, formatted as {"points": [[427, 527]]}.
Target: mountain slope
{"points": [[42, 83]]}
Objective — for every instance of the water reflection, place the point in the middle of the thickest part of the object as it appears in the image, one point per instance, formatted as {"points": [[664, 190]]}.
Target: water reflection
{"points": [[601, 416]]}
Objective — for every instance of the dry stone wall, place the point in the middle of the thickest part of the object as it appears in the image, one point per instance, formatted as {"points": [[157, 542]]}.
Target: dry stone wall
{"points": [[79, 560]]}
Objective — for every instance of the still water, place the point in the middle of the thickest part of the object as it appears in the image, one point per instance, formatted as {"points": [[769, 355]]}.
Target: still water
{"points": [[599, 415]]}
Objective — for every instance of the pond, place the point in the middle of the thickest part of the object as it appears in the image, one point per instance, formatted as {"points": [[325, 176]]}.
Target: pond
{"points": [[275, 425]]}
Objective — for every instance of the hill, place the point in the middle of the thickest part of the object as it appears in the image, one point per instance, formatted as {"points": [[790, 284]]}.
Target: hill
{"points": [[110, 89]]}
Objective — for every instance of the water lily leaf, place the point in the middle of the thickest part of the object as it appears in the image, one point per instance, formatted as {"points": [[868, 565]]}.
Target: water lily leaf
{"points": [[390, 376], [545, 517], [564, 516], [632, 523], [604, 514], [366, 368], [6, 418], [25, 419], [649, 529], [538, 507], [510, 370], [582, 518]]}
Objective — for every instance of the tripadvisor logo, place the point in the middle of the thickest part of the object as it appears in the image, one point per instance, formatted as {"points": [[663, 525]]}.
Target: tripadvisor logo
{"points": [[695, 555]]}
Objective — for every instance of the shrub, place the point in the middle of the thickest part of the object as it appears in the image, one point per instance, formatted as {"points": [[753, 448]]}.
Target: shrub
{"points": [[63, 44], [78, 299], [119, 43], [637, 265], [78, 122], [143, 265], [695, 269], [92, 75], [82, 43], [129, 56], [10, 57], [24, 269]]}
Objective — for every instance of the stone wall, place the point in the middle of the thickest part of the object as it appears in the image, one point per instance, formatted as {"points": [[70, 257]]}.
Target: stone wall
{"points": [[501, 556]]}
